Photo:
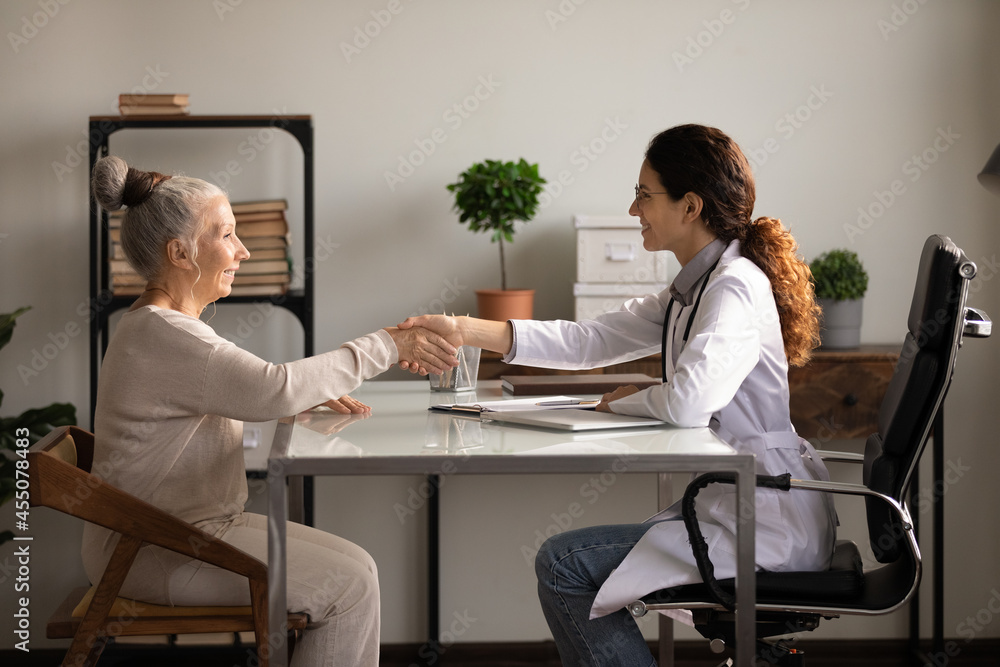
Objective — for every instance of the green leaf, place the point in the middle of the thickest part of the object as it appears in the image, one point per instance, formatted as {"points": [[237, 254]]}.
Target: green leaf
{"points": [[839, 275], [41, 420], [37, 421], [7, 484], [493, 194], [7, 324]]}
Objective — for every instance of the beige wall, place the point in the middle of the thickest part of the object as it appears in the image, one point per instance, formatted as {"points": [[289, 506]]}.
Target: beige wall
{"points": [[831, 100]]}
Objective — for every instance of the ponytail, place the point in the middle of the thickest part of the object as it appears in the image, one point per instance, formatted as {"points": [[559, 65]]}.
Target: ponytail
{"points": [[771, 247]]}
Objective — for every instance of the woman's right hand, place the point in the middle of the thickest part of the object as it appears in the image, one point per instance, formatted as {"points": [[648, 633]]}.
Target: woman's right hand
{"points": [[422, 350], [496, 336], [445, 326]]}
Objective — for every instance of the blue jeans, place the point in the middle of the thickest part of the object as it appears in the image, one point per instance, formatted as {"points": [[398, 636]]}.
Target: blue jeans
{"points": [[571, 567]]}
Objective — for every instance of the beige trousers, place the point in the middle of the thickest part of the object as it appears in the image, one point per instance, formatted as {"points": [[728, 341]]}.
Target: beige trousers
{"points": [[329, 578]]}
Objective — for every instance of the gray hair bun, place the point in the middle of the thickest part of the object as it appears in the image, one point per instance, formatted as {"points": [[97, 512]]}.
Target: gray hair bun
{"points": [[116, 184], [109, 182]]}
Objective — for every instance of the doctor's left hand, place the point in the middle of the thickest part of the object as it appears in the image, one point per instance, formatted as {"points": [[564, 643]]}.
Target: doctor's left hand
{"points": [[620, 392]]}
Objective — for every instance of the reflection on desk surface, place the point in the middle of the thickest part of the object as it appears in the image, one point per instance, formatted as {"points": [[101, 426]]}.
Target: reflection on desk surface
{"points": [[400, 425], [433, 433]]}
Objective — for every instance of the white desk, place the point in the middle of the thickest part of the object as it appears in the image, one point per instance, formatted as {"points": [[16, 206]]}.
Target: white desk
{"points": [[401, 437]]}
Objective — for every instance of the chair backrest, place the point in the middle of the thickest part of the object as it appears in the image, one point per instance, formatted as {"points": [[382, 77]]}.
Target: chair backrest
{"points": [[918, 386]]}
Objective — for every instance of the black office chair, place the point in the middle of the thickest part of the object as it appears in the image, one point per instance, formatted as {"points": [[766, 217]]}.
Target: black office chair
{"points": [[791, 602]]}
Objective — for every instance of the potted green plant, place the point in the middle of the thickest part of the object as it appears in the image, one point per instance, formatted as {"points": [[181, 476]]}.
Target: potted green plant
{"points": [[30, 425], [840, 282], [491, 196]]}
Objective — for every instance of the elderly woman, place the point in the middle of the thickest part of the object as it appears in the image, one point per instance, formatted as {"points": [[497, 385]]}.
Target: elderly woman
{"points": [[170, 405]]}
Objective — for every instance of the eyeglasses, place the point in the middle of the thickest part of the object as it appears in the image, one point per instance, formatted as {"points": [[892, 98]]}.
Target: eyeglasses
{"points": [[642, 196]]}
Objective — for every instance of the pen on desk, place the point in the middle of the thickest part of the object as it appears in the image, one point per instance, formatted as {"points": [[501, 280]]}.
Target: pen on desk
{"points": [[547, 403]]}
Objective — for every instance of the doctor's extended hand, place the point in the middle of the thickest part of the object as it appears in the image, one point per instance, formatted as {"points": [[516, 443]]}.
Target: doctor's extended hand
{"points": [[422, 350], [620, 392], [445, 326]]}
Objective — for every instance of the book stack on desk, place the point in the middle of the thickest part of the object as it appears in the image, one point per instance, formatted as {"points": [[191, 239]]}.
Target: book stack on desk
{"points": [[541, 385], [167, 104], [263, 229]]}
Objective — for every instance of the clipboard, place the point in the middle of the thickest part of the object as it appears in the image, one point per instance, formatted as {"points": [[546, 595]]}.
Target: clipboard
{"points": [[536, 404], [571, 420]]}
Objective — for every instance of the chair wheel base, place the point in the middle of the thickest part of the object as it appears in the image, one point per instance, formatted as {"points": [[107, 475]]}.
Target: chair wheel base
{"points": [[779, 655]]}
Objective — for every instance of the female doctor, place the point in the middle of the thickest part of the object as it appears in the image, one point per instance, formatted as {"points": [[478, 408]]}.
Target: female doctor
{"points": [[739, 311]]}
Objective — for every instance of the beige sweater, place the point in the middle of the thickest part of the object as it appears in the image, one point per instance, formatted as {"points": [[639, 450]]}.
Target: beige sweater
{"points": [[170, 404]]}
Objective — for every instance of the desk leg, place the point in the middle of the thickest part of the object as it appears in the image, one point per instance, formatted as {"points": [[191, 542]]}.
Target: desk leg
{"points": [[433, 562], [746, 584], [665, 496], [277, 614]]}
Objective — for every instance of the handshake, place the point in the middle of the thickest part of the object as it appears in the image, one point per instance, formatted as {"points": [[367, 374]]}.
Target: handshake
{"points": [[428, 343]]}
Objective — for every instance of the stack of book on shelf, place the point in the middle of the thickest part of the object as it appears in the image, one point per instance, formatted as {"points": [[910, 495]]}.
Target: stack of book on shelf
{"points": [[162, 104], [124, 280], [260, 225], [263, 229]]}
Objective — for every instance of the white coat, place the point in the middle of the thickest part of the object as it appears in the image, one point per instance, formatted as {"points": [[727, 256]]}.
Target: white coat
{"points": [[732, 376]]}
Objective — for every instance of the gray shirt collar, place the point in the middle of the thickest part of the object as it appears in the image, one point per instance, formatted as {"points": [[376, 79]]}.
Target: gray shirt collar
{"points": [[682, 289]]}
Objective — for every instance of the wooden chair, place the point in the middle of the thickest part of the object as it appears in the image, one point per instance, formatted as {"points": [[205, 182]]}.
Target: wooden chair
{"points": [[60, 477]]}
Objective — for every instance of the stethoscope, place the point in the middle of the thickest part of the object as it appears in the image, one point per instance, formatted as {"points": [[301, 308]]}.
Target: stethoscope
{"points": [[664, 350]]}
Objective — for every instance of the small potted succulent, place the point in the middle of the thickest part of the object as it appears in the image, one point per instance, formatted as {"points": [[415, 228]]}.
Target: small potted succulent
{"points": [[491, 196], [840, 283]]}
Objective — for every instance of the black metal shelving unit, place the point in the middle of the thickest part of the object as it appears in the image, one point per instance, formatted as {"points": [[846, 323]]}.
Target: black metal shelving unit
{"points": [[103, 303]]}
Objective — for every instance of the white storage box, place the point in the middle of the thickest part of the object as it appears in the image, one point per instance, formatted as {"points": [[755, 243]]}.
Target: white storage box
{"points": [[609, 250], [592, 299]]}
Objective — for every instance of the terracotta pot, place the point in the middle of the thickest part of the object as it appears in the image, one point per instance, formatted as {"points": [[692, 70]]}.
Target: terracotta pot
{"points": [[503, 305]]}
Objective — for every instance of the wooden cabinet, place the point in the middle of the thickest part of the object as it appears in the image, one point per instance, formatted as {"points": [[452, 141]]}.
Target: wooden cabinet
{"points": [[836, 395]]}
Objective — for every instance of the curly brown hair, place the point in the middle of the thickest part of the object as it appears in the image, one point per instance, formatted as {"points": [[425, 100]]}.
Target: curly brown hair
{"points": [[707, 162]]}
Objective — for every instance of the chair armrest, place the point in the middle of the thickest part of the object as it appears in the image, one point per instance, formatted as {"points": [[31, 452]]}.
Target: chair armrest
{"points": [[64, 487], [977, 323], [849, 488], [852, 489], [699, 547], [841, 457]]}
